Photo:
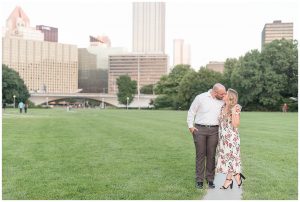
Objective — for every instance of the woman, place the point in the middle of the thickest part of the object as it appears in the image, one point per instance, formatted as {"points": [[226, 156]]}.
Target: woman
{"points": [[228, 150]]}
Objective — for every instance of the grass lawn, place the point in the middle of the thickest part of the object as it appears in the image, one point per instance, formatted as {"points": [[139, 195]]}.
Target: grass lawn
{"points": [[119, 154], [269, 147]]}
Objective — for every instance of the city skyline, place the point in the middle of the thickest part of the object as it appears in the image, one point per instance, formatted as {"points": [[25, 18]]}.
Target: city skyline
{"points": [[216, 30]]}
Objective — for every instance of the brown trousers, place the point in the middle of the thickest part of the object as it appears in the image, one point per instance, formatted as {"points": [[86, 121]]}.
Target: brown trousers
{"points": [[206, 140]]}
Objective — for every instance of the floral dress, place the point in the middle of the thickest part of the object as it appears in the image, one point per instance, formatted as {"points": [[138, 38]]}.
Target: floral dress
{"points": [[228, 149]]}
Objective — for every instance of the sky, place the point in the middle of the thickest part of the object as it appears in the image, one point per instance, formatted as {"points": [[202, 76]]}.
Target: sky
{"points": [[215, 29]]}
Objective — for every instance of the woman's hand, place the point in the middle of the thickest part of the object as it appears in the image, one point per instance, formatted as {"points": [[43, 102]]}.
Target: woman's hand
{"points": [[236, 109], [236, 116]]}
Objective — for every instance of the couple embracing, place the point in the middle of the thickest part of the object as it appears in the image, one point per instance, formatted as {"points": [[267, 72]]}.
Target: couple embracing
{"points": [[213, 120]]}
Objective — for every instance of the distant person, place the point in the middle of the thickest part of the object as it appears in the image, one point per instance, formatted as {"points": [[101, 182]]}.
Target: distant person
{"points": [[3, 106], [26, 107], [21, 106], [228, 158], [203, 124], [284, 107]]}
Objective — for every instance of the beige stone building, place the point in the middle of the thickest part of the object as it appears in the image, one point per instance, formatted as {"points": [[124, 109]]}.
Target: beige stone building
{"points": [[144, 68], [45, 67], [215, 66], [276, 30]]}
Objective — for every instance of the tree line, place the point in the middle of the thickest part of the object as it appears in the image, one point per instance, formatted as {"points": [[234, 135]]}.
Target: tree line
{"points": [[265, 80]]}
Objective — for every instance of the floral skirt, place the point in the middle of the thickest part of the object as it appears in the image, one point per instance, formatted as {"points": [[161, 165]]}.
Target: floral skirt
{"points": [[228, 152]]}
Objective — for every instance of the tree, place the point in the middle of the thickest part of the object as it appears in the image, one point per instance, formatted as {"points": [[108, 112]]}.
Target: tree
{"points": [[195, 83], [147, 89], [229, 66], [127, 88], [282, 57], [265, 80], [163, 101], [247, 78], [13, 84], [168, 86]]}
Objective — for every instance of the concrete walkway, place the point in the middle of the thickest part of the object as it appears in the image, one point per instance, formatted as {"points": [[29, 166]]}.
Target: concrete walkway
{"points": [[228, 194]]}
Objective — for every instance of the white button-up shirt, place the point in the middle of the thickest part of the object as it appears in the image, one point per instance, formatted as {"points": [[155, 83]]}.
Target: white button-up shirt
{"points": [[204, 110]]}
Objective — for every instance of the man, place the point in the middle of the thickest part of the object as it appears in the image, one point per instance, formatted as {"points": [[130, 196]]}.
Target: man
{"points": [[203, 123], [21, 106], [284, 107]]}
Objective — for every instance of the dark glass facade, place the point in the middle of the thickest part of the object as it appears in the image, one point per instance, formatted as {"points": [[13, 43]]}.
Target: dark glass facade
{"points": [[50, 33]]}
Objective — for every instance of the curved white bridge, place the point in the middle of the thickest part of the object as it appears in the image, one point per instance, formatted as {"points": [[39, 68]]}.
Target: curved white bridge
{"points": [[141, 101]]}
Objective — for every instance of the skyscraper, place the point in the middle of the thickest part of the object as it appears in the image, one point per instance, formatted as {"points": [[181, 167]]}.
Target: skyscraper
{"points": [[18, 26], [45, 67], [148, 27], [182, 52], [50, 33], [276, 30], [93, 64]]}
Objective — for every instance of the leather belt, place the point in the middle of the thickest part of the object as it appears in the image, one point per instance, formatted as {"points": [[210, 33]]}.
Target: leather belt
{"points": [[207, 126]]}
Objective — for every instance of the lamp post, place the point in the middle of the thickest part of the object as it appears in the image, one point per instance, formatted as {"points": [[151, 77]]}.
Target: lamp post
{"points": [[138, 83], [14, 101], [127, 102]]}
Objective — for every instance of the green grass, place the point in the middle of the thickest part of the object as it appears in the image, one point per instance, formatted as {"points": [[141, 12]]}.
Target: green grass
{"points": [[269, 147], [119, 154]]}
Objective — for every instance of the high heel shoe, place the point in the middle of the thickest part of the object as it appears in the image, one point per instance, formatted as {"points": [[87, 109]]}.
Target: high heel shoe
{"points": [[230, 185], [241, 177]]}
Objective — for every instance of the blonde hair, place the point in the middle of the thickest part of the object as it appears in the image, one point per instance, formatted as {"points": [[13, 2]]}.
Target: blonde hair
{"points": [[233, 97]]}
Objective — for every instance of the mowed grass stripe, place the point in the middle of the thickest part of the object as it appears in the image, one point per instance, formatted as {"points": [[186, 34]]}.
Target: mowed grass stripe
{"points": [[101, 155], [120, 154]]}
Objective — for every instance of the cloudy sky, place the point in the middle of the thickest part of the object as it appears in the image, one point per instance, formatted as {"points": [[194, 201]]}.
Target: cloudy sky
{"points": [[215, 29]]}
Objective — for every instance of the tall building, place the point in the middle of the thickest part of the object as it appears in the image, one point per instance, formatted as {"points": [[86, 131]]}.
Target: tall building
{"points": [[148, 27], [50, 33], [182, 52], [18, 26], [276, 30], [90, 78], [93, 64], [45, 67], [145, 69], [216, 66]]}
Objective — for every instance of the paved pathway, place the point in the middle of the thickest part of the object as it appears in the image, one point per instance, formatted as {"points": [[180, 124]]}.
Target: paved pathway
{"points": [[228, 194]]}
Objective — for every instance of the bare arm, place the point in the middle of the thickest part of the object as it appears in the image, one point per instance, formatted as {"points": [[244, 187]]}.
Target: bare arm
{"points": [[236, 116]]}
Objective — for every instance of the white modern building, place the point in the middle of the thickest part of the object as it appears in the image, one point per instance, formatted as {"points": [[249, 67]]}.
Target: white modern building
{"points": [[148, 27], [182, 52]]}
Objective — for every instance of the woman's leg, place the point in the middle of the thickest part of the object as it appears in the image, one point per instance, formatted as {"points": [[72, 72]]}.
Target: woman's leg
{"points": [[228, 182], [237, 178]]}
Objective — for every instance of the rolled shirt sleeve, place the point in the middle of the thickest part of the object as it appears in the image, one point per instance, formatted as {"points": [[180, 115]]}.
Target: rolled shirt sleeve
{"points": [[192, 111]]}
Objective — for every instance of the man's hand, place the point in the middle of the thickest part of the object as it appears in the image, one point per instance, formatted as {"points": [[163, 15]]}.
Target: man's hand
{"points": [[193, 129]]}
